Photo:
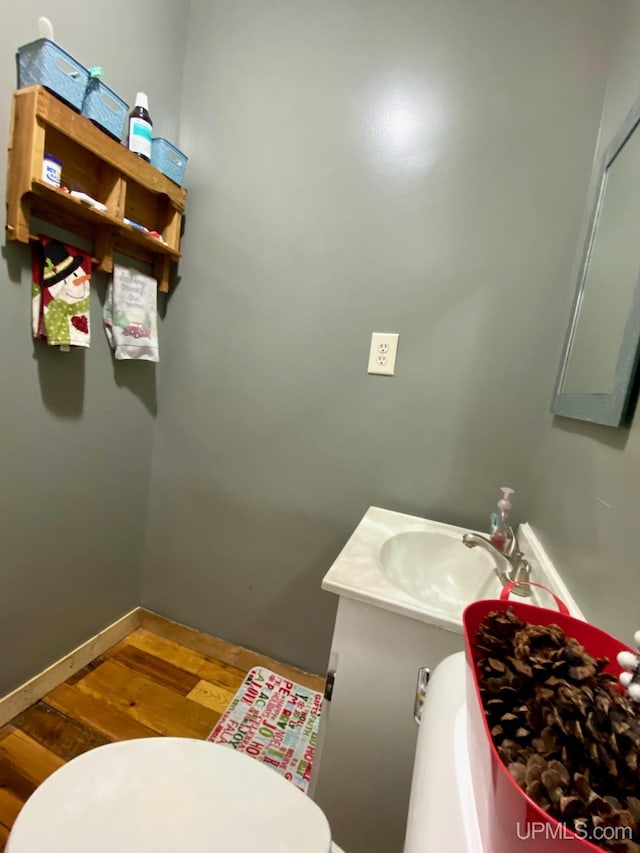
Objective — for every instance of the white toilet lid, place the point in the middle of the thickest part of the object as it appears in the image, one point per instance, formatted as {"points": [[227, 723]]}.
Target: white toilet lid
{"points": [[163, 795]]}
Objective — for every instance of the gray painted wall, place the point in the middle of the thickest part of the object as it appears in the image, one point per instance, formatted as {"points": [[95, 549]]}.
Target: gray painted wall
{"points": [[76, 432], [419, 167], [585, 498]]}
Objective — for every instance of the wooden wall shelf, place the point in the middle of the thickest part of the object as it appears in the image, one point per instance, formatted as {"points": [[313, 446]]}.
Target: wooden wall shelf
{"points": [[93, 163]]}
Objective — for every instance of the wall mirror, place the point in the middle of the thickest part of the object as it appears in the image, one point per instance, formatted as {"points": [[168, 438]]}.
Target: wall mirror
{"points": [[596, 379]]}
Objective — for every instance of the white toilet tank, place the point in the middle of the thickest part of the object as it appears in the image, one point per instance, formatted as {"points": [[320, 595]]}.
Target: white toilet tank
{"points": [[442, 810]]}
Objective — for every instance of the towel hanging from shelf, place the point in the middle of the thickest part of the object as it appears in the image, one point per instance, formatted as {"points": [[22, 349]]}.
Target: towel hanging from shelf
{"points": [[130, 315], [60, 294]]}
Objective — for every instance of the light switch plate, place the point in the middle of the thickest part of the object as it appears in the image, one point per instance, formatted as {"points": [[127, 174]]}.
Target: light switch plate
{"points": [[382, 355]]}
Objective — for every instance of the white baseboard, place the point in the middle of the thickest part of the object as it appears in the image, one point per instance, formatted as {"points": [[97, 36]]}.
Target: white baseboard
{"points": [[44, 682]]}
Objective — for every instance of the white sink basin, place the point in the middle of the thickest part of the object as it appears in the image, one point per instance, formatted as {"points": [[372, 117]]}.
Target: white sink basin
{"points": [[421, 568], [438, 569]]}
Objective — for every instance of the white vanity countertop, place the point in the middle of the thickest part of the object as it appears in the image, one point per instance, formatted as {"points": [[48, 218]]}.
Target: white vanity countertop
{"points": [[358, 571]]}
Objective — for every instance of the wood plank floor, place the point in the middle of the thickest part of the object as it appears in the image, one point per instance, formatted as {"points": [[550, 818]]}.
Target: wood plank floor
{"points": [[163, 679]]}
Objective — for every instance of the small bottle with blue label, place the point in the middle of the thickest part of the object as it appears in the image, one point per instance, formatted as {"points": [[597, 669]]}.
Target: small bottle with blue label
{"points": [[140, 128]]}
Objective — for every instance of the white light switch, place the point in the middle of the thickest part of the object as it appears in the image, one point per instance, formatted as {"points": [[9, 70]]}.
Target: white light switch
{"points": [[382, 355]]}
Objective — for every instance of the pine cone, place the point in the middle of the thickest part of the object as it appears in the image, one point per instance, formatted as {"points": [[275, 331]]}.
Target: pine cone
{"points": [[567, 735]]}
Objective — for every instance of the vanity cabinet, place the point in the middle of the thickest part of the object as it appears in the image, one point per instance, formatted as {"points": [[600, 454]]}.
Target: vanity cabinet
{"points": [[92, 163], [367, 740]]}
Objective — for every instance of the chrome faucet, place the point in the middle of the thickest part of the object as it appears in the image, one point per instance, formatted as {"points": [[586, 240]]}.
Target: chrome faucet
{"points": [[511, 563]]}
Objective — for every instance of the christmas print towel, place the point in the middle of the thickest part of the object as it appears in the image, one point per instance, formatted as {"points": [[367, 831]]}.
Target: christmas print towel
{"points": [[60, 294], [130, 315]]}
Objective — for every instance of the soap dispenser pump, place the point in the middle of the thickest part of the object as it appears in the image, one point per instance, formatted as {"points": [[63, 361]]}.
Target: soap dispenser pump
{"points": [[500, 524]]}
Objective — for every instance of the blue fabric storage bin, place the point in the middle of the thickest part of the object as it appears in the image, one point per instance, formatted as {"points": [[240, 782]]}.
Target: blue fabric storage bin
{"points": [[168, 159], [105, 108], [43, 62]]}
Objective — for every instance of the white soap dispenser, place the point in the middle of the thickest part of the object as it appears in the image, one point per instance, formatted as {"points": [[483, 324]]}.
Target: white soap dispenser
{"points": [[500, 526]]}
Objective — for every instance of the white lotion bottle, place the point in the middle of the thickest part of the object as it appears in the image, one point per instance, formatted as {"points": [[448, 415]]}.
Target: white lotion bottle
{"points": [[500, 534]]}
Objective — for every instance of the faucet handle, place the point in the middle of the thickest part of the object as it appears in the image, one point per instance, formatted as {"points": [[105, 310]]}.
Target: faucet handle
{"points": [[522, 569], [520, 572], [512, 548]]}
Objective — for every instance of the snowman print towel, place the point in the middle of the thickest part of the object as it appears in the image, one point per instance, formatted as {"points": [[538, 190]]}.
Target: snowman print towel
{"points": [[60, 295]]}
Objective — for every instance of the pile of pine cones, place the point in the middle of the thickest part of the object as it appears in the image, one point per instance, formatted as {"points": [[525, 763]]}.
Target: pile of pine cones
{"points": [[567, 735]]}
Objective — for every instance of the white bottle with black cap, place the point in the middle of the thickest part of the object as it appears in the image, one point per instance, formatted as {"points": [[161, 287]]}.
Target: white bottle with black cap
{"points": [[140, 128]]}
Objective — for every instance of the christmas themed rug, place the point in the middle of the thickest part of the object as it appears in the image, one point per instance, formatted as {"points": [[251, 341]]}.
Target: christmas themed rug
{"points": [[275, 721]]}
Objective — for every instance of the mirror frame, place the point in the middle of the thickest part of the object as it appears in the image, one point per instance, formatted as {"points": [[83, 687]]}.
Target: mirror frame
{"points": [[616, 408]]}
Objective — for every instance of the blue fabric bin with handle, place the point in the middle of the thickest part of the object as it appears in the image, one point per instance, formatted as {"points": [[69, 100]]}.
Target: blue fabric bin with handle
{"points": [[104, 108], [43, 62], [168, 159]]}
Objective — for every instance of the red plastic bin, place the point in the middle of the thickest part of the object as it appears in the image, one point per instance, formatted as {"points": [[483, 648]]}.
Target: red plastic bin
{"points": [[509, 819]]}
